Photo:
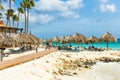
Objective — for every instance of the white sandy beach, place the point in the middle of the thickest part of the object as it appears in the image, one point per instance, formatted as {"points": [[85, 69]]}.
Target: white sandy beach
{"points": [[11, 56], [47, 67]]}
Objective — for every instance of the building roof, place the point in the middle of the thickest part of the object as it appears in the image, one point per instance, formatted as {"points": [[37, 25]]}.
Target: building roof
{"points": [[2, 25]]}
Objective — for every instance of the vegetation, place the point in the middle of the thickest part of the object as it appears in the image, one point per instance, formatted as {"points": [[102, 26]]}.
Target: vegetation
{"points": [[20, 10], [24, 8], [27, 5]]}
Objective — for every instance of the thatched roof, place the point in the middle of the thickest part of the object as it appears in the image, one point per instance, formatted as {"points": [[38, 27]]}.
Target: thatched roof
{"points": [[6, 40], [55, 39], [26, 38], [35, 39], [69, 39], [108, 37], [92, 39], [62, 39], [78, 38]]}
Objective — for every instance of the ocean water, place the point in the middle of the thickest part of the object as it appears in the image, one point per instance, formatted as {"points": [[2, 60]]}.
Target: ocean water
{"points": [[111, 45]]}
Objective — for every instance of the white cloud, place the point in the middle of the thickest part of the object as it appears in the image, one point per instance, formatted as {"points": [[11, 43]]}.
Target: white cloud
{"points": [[51, 5], [6, 5], [107, 8], [103, 1], [63, 8], [73, 4], [51, 9], [58, 5], [70, 13], [42, 18]]}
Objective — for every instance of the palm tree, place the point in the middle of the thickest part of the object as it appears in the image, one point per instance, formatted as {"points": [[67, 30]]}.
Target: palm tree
{"points": [[7, 18], [27, 5], [30, 5], [10, 1], [20, 10], [1, 8], [15, 18], [1, 15], [8, 15], [23, 5]]}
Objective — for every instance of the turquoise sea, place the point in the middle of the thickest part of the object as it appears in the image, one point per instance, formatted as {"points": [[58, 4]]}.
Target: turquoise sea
{"points": [[112, 45]]}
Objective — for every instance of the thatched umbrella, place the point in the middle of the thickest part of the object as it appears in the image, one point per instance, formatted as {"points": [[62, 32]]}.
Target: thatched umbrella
{"points": [[55, 39], [69, 39], [108, 37], [92, 39], [79, 38], [62, 39], [35, 39], [23, 38], [44, 40], [66, 39], [6, 40], [40, 40]]}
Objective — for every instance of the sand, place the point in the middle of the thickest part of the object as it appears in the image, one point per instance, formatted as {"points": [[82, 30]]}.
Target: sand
{"points": [[47, 67], [11, 56]]}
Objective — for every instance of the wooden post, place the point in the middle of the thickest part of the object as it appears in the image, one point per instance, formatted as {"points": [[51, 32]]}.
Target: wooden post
{"points": [[36, 48], [1, 55], [107, 46]]}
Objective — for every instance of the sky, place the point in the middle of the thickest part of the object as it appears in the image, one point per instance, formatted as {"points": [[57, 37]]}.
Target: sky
{"points": [[51, 18]]}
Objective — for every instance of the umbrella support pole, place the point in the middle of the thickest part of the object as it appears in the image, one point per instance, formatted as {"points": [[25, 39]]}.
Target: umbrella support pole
{"points": [[107, 46], [36, 50], [1, 56]]}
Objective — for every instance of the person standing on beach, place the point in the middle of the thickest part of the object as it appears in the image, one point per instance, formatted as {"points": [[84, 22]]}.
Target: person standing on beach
{"points": [[47, 45]]}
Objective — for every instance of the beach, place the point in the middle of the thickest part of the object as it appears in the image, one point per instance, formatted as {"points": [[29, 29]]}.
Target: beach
{"points": [[64, 65], [11, 56], [59, 40]]}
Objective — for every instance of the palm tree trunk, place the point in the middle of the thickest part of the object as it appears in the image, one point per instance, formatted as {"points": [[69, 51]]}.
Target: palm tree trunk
{"points": [[82, 46], [9, 21], [18, 20], [6, 27], [13, 23], [9, 8], [27, 19], [10, 4], [107, 46]]}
